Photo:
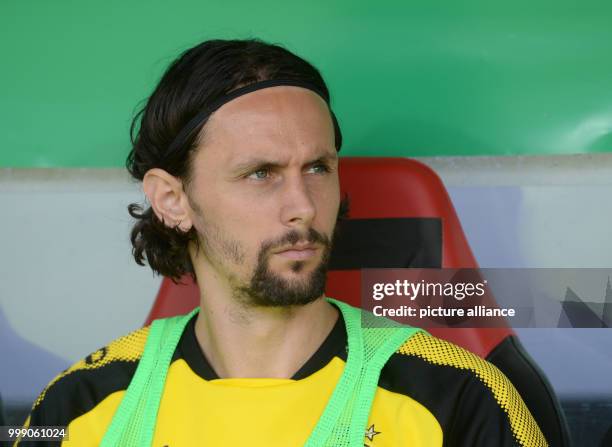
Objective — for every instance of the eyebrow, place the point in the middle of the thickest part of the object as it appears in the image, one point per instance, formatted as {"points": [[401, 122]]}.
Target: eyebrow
{"points": [[265, 163]]}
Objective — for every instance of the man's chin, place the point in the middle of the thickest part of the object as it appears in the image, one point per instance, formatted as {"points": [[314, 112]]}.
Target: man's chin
{"points": [[283, 284], [284, 292]]}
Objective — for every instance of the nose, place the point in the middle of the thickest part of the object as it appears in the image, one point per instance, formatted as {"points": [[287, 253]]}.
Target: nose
{"points": [[298, 209]]}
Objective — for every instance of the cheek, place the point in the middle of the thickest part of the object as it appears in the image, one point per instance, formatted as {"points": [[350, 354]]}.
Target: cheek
{"points": [[242, 229], [329, 200], [228, 223], [216, 232]]}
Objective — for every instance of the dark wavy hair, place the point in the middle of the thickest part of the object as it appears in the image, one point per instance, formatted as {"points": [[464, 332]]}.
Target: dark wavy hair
{"points": [[196, 79]]}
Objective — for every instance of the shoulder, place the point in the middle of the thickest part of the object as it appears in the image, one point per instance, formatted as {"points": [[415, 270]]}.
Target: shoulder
{"points": [[460, 388], [88, 382]]}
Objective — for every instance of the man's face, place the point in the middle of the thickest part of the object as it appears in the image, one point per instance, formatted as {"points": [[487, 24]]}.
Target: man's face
{"points": [[265, 196]]}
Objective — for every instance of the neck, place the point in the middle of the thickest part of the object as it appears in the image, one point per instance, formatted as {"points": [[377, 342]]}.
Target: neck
{"points": [[242, 341]]}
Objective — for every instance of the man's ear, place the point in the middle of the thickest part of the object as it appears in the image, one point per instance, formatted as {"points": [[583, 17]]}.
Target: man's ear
{"points": [[167, 198]]}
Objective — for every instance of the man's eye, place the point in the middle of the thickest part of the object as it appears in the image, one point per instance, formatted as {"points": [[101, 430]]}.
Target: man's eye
{"points": [[320, 168], [260, 174]]}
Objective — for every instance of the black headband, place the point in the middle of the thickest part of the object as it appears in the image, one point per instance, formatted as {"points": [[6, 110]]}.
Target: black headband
{"points": [[196, 122]]}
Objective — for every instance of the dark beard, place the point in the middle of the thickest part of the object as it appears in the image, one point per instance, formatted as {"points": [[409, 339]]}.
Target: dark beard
{"points": [[267, 289]]}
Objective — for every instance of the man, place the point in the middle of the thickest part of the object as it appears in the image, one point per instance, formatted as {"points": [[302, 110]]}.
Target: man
{"points": [[237, 150]]}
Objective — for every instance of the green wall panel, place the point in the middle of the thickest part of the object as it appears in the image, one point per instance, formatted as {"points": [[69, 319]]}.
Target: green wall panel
{"points": [[407, 78]]}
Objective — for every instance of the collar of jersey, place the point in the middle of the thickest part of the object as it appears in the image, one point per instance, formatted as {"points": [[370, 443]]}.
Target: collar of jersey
{"points": [[334, 345]]}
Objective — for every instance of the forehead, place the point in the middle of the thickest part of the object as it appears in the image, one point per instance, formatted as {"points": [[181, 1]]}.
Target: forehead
{"points": [[283, 122]]}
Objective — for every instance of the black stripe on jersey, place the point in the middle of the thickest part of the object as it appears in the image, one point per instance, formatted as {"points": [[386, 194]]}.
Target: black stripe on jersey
{"points": [[79, 392], [464, 406]]}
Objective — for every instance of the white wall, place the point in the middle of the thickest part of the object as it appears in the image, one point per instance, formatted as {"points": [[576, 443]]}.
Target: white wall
{"points": [[68, 282]]}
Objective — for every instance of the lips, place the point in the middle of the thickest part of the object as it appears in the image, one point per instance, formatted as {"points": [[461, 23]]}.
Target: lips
{"points": [[299, 251], [298, 247]]}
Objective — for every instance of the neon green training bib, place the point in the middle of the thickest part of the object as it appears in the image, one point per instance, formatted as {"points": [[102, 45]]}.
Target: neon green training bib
{"points": [[371, 342]]}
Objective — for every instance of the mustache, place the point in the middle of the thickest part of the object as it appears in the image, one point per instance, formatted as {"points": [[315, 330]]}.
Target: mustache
{"points": [[293, 237]]}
